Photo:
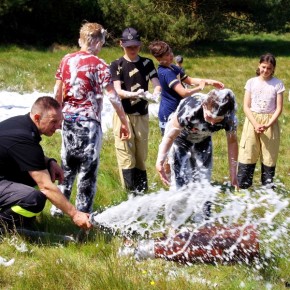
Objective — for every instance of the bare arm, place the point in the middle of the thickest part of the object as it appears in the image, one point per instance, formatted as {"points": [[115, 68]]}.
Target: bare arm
{"points": [[58, 91], [126, 94], [278, 111], [196, 81], [247, 110], [52, 192], [184, 92], [199, 86], [172, 131], [232, 142], [156, 86], [55, 171], [116, 102]]}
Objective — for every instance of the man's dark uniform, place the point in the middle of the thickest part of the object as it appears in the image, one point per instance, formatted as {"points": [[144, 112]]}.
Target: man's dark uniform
{"points": [[20, 152]]}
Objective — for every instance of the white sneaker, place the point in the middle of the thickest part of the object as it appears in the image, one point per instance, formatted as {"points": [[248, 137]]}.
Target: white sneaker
{"points": [[56, 212]]}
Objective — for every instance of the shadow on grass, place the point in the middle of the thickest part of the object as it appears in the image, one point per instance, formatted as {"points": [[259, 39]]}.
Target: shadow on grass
{"points": [[240, 48]]}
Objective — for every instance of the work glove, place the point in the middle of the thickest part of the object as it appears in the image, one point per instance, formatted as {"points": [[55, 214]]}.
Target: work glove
{"points": [[154, 98], [137, 94]]}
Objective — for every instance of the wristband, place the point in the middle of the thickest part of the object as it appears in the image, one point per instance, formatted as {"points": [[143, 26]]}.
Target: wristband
{"points": [[49, 161]]}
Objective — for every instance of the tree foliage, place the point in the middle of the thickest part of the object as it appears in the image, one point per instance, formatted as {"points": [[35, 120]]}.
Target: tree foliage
{"points": [[180, 22], [44, 22]]}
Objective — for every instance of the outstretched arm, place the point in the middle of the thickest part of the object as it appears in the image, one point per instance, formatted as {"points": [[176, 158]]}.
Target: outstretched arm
{"points": [[208, 82], [184, 92], [52, 192], [171, 133], [127, 94]]}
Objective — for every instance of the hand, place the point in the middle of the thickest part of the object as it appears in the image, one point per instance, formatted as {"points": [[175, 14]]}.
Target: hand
{"points": [[135, 95], [152, 97], [124, 133], [81, 219], [259, 128], [55, 171], [218, 85], [140, 93], [234, 182], [162, 173]]}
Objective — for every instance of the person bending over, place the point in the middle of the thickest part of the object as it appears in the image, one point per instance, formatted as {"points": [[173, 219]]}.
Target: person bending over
{"points": [[188, 138], [23, 165]]}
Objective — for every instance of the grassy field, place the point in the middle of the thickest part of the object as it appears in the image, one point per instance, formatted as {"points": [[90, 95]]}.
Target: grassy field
{"points": [[95, 264]]}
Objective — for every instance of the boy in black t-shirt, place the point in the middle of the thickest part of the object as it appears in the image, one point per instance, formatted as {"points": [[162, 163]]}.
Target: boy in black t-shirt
{"points": [[131, 74]]}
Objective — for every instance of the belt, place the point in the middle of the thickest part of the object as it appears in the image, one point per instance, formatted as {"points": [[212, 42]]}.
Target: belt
{"points": [[75, 117]]}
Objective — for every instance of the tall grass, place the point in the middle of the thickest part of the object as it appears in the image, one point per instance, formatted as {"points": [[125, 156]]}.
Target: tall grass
{"points": [[95, 264]]}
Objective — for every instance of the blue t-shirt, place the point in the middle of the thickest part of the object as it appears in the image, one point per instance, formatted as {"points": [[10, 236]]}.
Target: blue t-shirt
{"points": [[169, 77]]}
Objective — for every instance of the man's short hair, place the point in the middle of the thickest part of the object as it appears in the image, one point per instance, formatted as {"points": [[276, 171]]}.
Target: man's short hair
{"points": [[43, 104]]}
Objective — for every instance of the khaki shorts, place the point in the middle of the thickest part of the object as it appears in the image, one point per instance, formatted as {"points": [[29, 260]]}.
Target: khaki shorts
{"points": [[264, 145]]}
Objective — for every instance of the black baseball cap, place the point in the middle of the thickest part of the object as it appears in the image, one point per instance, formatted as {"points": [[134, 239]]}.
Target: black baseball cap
{"points": [[130, 37]]}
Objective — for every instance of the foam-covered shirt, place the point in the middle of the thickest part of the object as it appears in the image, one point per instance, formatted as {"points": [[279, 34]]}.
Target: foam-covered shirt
{"points": [[264, 94], [195, 128], [170, 99], [84, 78]]}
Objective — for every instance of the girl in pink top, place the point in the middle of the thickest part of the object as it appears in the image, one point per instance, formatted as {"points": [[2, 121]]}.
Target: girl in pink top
{"points": [[263, 102]]}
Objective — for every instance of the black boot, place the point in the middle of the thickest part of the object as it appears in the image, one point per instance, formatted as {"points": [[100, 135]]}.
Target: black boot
{"points": [[207, 210], [129, 179], [11, 220], [245, 175], [141, 183], [267, 174]]}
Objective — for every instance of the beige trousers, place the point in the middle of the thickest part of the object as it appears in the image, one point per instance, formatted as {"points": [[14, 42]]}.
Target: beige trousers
{"points": [[132, 153], [264, 145]]}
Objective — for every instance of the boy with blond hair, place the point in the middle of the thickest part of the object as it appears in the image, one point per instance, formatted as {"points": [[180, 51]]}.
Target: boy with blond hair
{"points": [[81, 79]]}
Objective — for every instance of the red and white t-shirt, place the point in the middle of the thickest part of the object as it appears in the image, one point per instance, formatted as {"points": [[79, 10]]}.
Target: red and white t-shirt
{"points": [[84, 77]]}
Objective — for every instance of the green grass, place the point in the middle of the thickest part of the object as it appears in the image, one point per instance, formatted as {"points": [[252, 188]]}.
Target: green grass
{"points": [[95, 263]]}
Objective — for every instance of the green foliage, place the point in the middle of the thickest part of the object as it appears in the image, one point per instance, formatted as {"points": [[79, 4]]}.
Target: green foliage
{"points": [[179, 22], [172, 21], [45, 22], [182, 23]]}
